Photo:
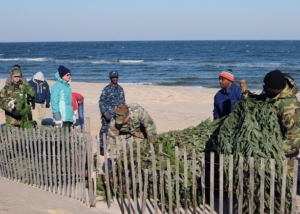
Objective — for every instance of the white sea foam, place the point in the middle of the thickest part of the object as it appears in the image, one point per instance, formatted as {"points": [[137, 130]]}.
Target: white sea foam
{"points": [[131, 61], [26, 59]]}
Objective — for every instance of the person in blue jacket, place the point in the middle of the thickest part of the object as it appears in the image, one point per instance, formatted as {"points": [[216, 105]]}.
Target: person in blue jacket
{"points": [[227, 96], [42, 97], [61, 98]]}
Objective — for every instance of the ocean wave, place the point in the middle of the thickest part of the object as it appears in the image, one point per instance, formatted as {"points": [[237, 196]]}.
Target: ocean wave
{"points": [[27, 59], [130, 61], [139, 83]]}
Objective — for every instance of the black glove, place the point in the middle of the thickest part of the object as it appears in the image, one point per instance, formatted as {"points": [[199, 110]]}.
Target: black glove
{"points": [[47, 105], [15, 113], [32, 104]]}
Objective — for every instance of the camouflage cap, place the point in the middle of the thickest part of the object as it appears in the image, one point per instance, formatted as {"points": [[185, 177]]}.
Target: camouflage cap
{"points": [[113, 74], [121, 112], [15, 71]]}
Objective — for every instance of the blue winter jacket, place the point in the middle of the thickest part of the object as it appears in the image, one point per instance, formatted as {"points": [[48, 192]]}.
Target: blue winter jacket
{"points": [[42, 91], [224, 101], [61, 100]]}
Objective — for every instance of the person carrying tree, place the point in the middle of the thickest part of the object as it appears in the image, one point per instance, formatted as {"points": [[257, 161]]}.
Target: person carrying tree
{"points": [[16, 99]]}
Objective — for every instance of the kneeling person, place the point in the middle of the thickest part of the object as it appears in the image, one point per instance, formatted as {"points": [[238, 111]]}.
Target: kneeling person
{"points": [[131, 120]]}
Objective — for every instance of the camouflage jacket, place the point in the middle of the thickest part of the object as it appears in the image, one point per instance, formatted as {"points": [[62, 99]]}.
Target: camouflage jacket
{"points": [[15, 92], [140, 125], [110, 97], [288, 110]]}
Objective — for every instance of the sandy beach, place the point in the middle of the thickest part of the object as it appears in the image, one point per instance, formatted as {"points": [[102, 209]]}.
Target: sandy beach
{"points": [[171, 107]]}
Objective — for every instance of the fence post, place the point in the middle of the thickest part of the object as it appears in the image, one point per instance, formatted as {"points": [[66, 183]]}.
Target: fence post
{"points": [[177, 179], [89, 162], [262, 186], [241, 192], [251, 198], [221, 182], [203, 180], [126, 177], [194, 183], [294, 192], [212, 182], [133, 177], [169, 186], [230, 188], [272, 186], [283, 186], [154, 177]]}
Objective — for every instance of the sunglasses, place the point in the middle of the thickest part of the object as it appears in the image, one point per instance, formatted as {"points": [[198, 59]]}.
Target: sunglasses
{"points": [[68, 75]]}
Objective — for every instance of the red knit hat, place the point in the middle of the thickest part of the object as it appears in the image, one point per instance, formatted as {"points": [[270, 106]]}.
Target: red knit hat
{"points": [[227, 74]]}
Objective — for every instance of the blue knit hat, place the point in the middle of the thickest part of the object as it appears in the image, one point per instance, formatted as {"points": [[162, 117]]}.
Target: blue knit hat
{"points": [[62, 70]]}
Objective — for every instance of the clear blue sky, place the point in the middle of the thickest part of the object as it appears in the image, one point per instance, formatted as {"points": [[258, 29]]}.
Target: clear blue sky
{"points": [[123, 20]]}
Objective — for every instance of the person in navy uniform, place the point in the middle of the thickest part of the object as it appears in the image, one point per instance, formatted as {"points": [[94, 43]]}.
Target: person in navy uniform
{"points": [[112, 95]]}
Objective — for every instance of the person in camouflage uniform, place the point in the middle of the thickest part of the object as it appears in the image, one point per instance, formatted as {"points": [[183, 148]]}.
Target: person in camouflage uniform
{"points": [[131, 120], [280, 90], [112, 95], [17, 112]]}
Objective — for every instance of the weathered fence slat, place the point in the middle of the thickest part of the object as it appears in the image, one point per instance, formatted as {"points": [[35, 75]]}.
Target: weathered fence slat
{"points": [[262, 186], [23, 151], [77, 166], [45, 161], [83, 169], [2, 158], [169, 186], [59, 165], [185, 180], [203, 180], [230, 185], [154, 175], [89, 148], [68, 163], [54, 146], [133, 178], [39, 154], [31, 158], [73, 161], [240, 186], [3, 145], [161, 178], [138, 147], [212, 181], [12, 162], [63, 160], [251, 198], [14, 147], [272, 187], [30, 170], [221, 183], [126, 177], [106, 157], [120, 179], [194, 183], [283, 187], [50, 162], [294, 191], [114, 171], [36, 163], [177, 179], [17, 130], [144, 198]]}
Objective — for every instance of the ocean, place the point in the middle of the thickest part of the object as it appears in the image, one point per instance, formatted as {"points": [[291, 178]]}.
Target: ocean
{"points": [[168, 63]]}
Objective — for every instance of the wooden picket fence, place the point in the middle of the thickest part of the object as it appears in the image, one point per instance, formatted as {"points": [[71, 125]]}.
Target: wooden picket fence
{"points": [[131, 189], [52, 159]]}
